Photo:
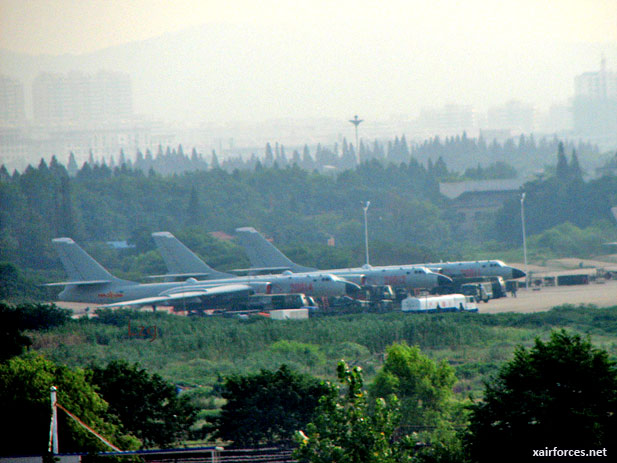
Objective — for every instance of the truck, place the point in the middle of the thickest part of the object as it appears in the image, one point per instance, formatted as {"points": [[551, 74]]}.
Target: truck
{"points": [[569, 280], [479, 291], [380, 297], [267, 302]]}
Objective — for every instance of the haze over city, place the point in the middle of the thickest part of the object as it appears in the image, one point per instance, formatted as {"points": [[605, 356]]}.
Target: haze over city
{"points": [[227, 61]]}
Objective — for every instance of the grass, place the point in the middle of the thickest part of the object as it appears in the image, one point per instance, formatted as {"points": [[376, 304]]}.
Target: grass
{"points": [[200, 351]]}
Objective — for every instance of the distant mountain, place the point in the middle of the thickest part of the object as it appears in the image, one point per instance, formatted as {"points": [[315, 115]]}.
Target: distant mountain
{"points": [[240, 72]]}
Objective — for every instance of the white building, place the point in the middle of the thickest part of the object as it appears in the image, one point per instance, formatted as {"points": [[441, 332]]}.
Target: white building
{"points": [[594, 106], [77, 98], [12, 106]]}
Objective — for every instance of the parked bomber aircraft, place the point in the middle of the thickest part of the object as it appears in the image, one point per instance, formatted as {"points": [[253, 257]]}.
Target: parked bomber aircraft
{"points": [[264, 254], [91, 283], [182, 261], [478, 268]]}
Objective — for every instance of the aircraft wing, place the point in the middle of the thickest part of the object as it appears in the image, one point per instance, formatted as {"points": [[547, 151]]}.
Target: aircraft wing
{"points": [[196, 294], [88, 282]]}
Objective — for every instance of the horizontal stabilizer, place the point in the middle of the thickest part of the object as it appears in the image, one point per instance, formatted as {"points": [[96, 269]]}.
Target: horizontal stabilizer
{"points": [[260, 269], [179, 275], [78, 283]]}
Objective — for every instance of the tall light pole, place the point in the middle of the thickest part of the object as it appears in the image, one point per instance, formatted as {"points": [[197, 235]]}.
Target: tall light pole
{"points": [[356, 122], [524, 238], [53, 431], [368, 203]]}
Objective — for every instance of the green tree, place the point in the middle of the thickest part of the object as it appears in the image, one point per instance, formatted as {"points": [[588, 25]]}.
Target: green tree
{"points": [[194, 212], [15, 319], [147, 405], [268, 407], [12, 340], [563, 170], [423, 386], [10, 280], [561, 393], [427, 406], [347, 430], [25, 383]]}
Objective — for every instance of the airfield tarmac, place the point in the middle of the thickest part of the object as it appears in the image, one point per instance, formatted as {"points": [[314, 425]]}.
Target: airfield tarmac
{"points": [[601, 293], [529, 300]]}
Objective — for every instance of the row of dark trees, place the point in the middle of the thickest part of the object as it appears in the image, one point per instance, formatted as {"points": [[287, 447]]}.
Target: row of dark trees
{"points": [[563, 197], [101, 204], [291, 204], [456, 152]]}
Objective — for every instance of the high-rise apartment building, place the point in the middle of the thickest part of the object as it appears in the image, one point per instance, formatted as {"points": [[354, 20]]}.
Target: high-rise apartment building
{"points": [[595, 104], [12, 106], [77, 98]]}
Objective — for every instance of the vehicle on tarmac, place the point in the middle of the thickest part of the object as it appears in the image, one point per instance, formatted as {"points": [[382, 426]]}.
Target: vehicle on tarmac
{"points": [[444, 303], [481, 292]]}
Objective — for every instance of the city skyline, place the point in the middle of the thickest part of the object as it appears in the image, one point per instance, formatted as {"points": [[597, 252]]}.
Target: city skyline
{"points": [[196, 62]]}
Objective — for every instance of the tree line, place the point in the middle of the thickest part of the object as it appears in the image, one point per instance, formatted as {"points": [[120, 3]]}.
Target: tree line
{"points": [[499, 158], [301, 209], [562, 197]]}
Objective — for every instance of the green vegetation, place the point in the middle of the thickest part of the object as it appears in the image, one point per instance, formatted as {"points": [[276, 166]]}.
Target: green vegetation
{"points": [[428, 410], [14, 320], [147, 406], [421, 392], [198, 351], [347, 430], [25, 384], [423, 386], [268, 407], [561, 393], [559, 199]]}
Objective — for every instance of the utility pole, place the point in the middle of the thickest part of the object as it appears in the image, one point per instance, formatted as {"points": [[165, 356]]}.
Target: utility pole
{"points": [[368, 203], [356, 122], [53, 431], [524, 239]]}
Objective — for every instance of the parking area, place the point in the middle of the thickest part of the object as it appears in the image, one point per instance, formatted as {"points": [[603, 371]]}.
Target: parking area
{"points": [[601, 294]]}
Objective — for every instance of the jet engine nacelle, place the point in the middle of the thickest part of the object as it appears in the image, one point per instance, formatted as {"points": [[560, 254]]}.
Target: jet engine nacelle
{"points": [[261, 287]]}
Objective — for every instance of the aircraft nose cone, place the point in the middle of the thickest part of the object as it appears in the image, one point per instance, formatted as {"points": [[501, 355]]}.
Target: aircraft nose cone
{"points": [[351, 289], [443, 280], [516, 273]]}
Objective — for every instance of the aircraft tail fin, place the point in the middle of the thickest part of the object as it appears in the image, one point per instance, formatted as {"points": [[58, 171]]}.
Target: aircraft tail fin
{"points": [[264, 254], [181, 261], [80, 267]]}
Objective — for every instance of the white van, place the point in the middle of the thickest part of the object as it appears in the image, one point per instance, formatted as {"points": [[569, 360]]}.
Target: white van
{"points": [[445, 303]]}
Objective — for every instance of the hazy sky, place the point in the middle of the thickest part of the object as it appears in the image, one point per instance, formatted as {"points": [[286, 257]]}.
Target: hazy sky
{"points": [[318, 57], [81, 26]]}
